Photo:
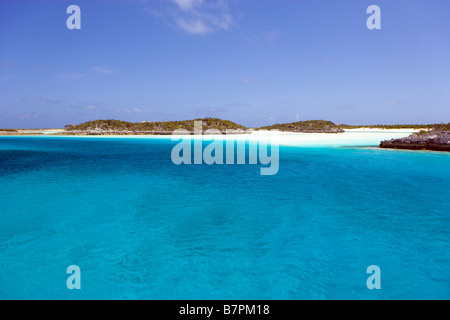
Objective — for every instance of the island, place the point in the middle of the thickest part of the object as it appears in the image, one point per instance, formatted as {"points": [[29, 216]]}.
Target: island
{"points": [[312, 126], [430, 136], [117, 127], [435, 139], [8, 131]]}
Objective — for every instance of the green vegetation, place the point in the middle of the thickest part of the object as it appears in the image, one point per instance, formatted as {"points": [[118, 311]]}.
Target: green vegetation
{"points": [[307, 126], [154, 127], [8, 130], [442, 127], [167, 127]]}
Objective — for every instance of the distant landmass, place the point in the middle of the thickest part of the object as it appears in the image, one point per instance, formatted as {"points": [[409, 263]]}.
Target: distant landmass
{"points": [[312, 126], [432, 137], [436, 139], [116, 127], [391, 126]]}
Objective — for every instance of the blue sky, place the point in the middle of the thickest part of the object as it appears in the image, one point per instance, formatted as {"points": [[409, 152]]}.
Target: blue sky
{"points": [[255, 62]]}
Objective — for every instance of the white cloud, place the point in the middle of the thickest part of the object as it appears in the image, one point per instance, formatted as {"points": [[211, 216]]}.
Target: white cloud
{"points": [[271, 35], [199, 16], [27, 116], [71, 76], [193, 26], [137, 111], [394, 102], [102, 70], [45, 99], [188, 5], [93, 71]]}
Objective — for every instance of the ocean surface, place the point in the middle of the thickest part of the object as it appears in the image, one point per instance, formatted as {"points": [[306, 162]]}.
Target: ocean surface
{"points": [[140, 227]]}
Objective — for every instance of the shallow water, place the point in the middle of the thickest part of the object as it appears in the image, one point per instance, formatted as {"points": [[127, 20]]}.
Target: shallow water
{"points": [[141, 227]]}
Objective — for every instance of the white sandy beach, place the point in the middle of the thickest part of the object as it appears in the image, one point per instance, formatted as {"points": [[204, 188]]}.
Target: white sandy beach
{"points": [[350, 138]]}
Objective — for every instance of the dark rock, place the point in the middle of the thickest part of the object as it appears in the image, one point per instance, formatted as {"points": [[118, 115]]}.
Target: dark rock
{"points": [[434, 140]]}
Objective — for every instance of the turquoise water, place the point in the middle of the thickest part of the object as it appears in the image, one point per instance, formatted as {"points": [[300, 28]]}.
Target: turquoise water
{"points": [[140, 227]]}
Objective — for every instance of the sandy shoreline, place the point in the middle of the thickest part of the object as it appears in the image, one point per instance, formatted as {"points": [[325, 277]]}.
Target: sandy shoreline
{"points": [[351, 137], [31, 132], [60, 132], [383, 130]]}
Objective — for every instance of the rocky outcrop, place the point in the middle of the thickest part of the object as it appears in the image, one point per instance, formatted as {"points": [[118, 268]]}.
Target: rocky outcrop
{"points": [[434, 140]]}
